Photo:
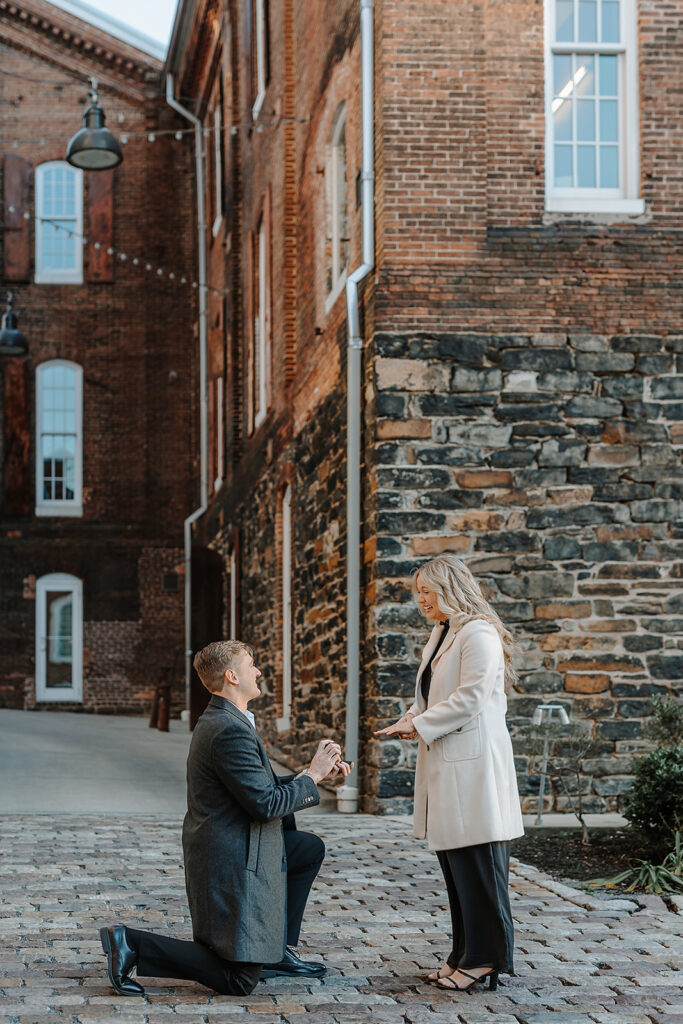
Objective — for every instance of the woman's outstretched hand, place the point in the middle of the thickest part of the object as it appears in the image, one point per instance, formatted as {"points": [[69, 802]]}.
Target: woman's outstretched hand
{"points": [[404, 729]]}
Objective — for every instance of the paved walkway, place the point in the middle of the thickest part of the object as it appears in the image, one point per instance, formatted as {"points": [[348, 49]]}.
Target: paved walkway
{"points": [[377, 917]]}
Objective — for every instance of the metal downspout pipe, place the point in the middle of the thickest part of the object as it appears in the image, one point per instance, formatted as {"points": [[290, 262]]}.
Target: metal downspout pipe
{"points": [[347, 795], [203, 384]]}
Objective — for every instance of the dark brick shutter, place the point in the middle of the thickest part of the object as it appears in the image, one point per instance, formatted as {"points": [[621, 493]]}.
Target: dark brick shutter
{"points": [[17, 235], [16, 472], [100, 225]]}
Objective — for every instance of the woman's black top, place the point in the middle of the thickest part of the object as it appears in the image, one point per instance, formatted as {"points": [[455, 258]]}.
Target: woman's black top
{"points": [[426, 679]]}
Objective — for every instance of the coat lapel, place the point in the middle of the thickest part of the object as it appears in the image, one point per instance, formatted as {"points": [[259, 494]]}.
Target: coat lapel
{"points": [[223, 704]]}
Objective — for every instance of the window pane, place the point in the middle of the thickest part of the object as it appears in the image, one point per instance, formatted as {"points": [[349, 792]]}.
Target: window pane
{"points": [[562, 120], [588, 21], [564, 21], [610, 21], [608, 75], [585, 76], [562, 73], [563, 167], [585, 121], [59, 639], [609, 167], [608, 121], [585, 166]]}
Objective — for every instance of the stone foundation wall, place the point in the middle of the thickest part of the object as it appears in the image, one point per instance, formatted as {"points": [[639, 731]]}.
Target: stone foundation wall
{"points": [[551, 464]]}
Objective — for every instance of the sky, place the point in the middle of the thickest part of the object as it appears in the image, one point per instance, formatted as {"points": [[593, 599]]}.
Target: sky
{"points": [[152, 17]]}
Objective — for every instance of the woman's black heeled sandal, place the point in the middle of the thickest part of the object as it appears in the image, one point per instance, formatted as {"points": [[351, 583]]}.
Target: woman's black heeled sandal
{"points": [[492, 975]]}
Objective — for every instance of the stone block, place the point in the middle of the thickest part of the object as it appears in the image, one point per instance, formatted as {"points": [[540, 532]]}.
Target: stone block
{"points": [[410, 375], [589, 342], [449, 455], [633, 708], [614, 730], [584, 682], [561, 548], [521, 380], [395, 782], [409, 522], [564, 610], [666, 666], [672, 410], [548, 360], [626, 663], [437, 545], [667, 388], [450, 498], [512, 458], [612, 784], [558, 452], [622, 387], [453, 405], [538, 585], [403, 428], [412, 479], [565, 382], [391, 405], [488, 435], [569, 495], [540, 681], [613, 455], [502, 541], [464, 348], [610, 551], [642, 643], [583, 515], [657, 625], [605, 362], [483, 478], [514, 611], [590, 407], [466, 379], [656, 511], [654, 365], [478, 521]]}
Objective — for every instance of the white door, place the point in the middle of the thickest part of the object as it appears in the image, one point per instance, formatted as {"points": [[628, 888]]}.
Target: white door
{"points": [[59, 638]]}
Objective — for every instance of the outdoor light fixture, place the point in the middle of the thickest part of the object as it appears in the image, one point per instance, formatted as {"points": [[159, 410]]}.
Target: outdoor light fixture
{"points": [[12, 341], [94, 148]]}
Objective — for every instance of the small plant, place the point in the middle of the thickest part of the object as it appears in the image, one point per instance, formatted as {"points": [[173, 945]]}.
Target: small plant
{"points": [[649, 877], [568, 746], [666, 722], [655, 802]]}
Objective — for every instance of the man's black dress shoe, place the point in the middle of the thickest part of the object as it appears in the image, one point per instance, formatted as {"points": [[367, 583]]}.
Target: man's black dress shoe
{"points": [[294, 966], [121, 960]]}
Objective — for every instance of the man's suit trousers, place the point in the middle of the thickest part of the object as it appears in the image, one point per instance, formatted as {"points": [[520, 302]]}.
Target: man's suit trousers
{"points": [[163, 957], [477, 883]]}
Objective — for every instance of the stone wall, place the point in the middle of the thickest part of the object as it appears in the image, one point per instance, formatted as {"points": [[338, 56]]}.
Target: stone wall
{"points": [[549, 462]]}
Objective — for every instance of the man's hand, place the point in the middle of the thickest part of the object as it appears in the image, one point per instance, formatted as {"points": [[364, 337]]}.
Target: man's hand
{"points": [[404, 729], [342, 768], [325, 760]]}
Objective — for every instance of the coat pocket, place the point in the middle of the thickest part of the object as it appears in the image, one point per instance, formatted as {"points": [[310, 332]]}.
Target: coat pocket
{"points": [[463, 744], [254, 843]]}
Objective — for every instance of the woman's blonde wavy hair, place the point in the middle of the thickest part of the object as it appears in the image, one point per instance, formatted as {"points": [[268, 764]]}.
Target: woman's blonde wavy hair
{"points": [[459, 597]]}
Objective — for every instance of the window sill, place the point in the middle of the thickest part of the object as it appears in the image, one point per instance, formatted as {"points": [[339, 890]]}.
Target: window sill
{"points": [[58, 695], [73, 511], [44, 278], [628, 207]]}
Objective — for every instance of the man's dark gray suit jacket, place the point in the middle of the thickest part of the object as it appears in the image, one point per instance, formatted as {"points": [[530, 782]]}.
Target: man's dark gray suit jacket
{"points": [[235, 865]]}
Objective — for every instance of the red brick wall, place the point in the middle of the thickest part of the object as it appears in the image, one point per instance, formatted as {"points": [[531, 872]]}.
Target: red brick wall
{"points": [[134, 337]]}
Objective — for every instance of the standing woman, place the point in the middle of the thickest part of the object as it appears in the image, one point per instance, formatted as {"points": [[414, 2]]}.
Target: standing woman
{"points": [[466, 799]]}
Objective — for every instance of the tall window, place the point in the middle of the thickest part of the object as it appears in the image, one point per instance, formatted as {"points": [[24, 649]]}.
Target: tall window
{"points": [[259, 349], [59, 224], [337, 217], [286, 598], [59, 439], [592, 106], [59, 638], [259, 54]]}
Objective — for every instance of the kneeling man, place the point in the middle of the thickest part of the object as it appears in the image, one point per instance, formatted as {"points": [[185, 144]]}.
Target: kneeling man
{"points": [[248, 870]]}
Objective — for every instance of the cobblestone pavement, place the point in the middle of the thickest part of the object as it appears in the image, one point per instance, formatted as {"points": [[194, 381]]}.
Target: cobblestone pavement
{"points": [[377, 917]]}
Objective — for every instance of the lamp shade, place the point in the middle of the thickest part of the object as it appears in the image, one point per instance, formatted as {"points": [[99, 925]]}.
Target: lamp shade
{"points": [[94, 148], [12, 341]]}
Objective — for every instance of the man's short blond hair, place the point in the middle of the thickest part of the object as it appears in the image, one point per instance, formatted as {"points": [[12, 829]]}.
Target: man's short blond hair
{"points": [[215, 659]]}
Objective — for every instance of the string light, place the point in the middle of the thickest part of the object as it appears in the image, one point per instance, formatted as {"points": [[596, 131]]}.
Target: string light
{"points": [[123, 256]]}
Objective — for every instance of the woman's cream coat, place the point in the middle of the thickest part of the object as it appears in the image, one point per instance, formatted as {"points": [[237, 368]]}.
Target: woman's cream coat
{"points": [[465, 783]]}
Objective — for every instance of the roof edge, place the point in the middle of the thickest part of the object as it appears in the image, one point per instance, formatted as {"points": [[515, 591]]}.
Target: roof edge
{"points": [[113, 27]]}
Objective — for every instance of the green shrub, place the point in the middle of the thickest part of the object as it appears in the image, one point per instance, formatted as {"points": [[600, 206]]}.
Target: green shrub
{"points": [[655, 803], [666, 721]]}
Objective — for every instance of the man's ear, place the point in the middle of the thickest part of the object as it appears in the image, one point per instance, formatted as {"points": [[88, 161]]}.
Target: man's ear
{"points": [[230, 677]]}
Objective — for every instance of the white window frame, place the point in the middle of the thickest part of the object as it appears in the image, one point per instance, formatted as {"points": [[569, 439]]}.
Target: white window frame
{"points": [[261, 328], [261, 56], [42, 275], [220, 428], [44, 586], [626, 199], [335, 169], [283, 722], [218, 166], [63, 507]]}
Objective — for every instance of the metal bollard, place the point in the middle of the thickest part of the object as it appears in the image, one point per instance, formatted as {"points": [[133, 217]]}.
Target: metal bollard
{"points": [[543, 715]]}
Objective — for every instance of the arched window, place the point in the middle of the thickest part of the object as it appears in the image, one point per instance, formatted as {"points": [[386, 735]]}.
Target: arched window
{"points": [[59, 638], [338, 220], [59, 223], [59, 438]]}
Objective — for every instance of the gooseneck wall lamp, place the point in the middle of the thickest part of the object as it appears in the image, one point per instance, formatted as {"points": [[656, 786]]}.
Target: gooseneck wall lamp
{"points": [[12, 341], [94, 148]]}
